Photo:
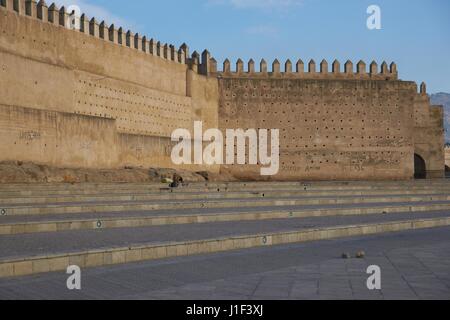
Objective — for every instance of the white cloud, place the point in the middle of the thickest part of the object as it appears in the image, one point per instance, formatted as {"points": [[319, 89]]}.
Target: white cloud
{"points": [[259, 4], [264, 3], [98, 12]]}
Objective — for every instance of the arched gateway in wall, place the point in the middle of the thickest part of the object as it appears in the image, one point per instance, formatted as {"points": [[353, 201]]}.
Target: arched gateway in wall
{"points": [[420, 169]]}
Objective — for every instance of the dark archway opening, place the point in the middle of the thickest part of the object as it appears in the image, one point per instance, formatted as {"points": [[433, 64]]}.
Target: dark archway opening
{"points": [[420, 170]]}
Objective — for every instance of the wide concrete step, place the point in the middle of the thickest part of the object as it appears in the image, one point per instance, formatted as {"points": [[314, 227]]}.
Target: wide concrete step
{"points": [[44, 252], [182, 192], [155, 196], [12, 186], [10, 225], [157, 186], [89, 189], [120, 206]]}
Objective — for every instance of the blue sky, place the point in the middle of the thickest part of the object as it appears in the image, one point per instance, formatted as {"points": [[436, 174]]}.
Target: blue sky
{"points": [[415, 33]]}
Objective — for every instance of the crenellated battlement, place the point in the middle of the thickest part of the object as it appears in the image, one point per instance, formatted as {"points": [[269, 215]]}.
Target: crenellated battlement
{"points": [[311, 71], [202, 64], [91, 27]]}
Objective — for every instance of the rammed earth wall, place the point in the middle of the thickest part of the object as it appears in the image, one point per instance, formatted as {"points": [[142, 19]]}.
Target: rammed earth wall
{"points": [[103, 97]]}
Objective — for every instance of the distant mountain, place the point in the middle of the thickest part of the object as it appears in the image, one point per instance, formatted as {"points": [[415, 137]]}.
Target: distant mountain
{"points": [[443, 99]]}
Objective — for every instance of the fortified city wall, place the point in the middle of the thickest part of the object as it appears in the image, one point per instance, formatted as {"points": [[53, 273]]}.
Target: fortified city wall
{"points": [[99, 98], [336, 123], [103, 97]]}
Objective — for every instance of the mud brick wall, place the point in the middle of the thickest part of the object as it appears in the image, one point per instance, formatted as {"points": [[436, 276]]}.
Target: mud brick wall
{"points": [[104, 97]]}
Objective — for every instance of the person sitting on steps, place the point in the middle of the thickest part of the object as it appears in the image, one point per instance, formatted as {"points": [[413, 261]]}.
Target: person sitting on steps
{"points": [[177, 181]]}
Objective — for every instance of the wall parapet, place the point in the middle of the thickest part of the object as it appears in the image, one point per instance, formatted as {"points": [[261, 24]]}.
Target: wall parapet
{"points": [[313, 71], [91, 27], [202, 64]]}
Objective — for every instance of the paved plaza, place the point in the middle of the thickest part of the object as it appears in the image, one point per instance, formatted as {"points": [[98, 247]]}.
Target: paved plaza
{"points": [[414, 265]]}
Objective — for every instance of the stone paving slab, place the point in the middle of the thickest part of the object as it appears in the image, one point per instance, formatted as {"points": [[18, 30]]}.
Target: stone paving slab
{"points": [[414, 265], [39, 244]]}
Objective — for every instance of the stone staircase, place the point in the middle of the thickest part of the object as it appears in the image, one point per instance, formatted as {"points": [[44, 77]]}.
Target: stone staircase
{"points": [[46, 228]]}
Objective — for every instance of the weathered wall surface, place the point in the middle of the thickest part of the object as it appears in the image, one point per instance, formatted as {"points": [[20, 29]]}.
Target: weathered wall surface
{"points": [[55, 137], [74, 141], [126, 98], [350, 125]]}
